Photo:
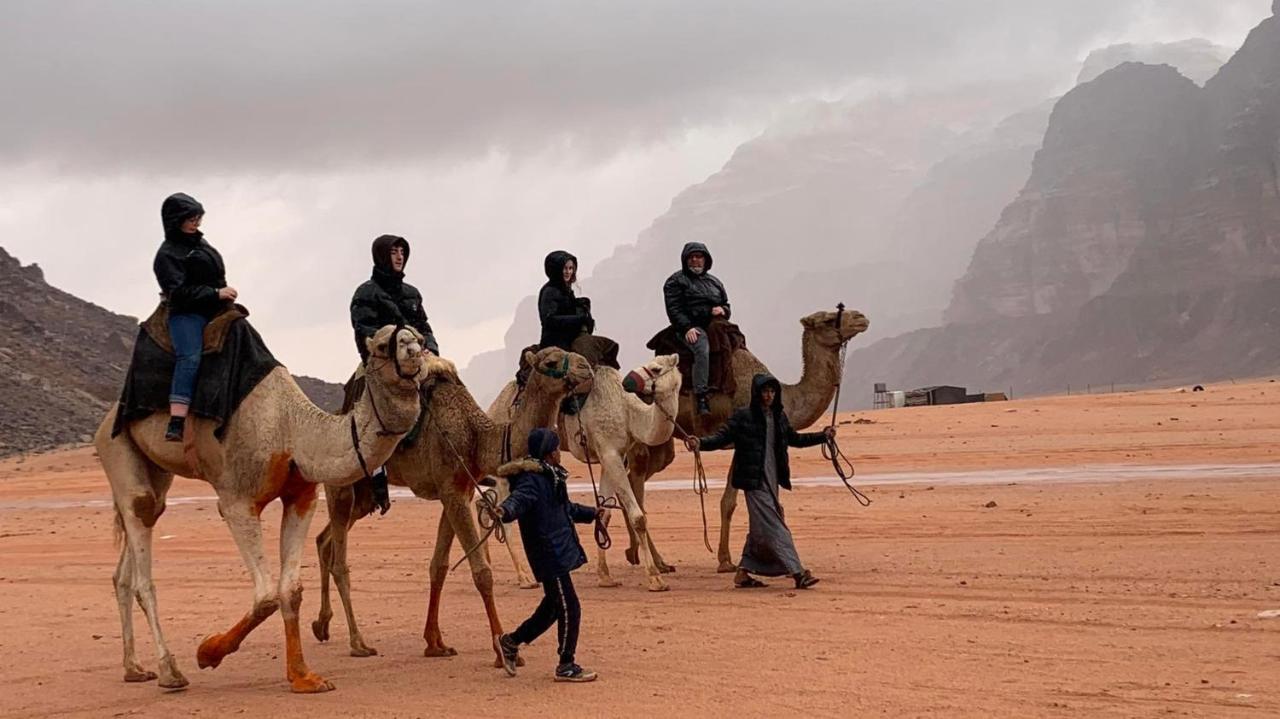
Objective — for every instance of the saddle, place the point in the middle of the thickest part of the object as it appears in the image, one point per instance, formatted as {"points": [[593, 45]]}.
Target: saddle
{"points": [[725, 338], [215, 333]]}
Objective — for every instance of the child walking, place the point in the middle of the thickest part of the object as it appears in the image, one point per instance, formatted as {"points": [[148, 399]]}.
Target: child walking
{"points": [[539, 501]]}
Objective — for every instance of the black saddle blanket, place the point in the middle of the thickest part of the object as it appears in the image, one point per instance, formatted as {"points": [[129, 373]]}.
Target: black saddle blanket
{"points": [[226, 377]]}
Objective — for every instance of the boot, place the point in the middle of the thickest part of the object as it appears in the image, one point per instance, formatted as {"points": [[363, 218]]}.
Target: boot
{"points": [[704, 405], [381, 492], [173, 433]]}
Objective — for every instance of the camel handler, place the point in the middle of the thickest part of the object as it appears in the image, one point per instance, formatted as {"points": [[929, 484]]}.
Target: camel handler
{"points": [[693, 298], [760, 435], [386, 299], [539, 501], [193, 283]]}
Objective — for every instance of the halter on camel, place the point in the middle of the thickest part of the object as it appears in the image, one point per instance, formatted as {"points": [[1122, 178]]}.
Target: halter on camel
{"points": [[831, 451], [393, 352]]}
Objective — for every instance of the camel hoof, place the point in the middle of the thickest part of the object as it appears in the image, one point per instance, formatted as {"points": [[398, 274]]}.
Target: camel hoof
{"points": [[440, 652], [530, 584], [211, 652], [726, 568], [363, 651], [174, 684], [610, 582], [320, 628], [139, 675], [633, 556], [310, 683], [658, 586]]}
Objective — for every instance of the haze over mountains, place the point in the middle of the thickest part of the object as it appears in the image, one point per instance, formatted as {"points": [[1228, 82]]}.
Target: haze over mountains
{"points": [[878, 203]]}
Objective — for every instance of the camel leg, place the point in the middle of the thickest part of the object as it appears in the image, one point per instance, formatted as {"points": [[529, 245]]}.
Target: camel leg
{"points": [[728, 502], [439, 571], [137, 487], [324, 551], [637, 488], [294, 523], [613, 467], [246, 529], [123, 581], [633, 540], [457, 512], [339, 530]]}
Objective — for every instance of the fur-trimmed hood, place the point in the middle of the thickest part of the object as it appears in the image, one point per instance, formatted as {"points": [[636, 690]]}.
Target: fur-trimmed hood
{"points": [[511, 469]]}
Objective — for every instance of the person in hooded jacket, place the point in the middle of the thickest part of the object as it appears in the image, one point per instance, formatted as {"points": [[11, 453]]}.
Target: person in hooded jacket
{"points": [[694, 297], [539, 501], [193, 283], [760, 435], [386, 299], [563, 314]]}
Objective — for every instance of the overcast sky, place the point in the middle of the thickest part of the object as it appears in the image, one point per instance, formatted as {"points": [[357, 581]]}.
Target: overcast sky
{"points": [[488, 133]]}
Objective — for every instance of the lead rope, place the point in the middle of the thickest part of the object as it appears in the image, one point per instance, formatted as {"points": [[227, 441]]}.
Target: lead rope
{"points": [[831, 451], [603, 540], [699, 477], [486, 502]]}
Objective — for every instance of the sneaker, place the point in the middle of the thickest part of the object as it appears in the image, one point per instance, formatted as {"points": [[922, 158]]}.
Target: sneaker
{"points": [[510, 652], [173, 433], [704, 405], [574, 673]]}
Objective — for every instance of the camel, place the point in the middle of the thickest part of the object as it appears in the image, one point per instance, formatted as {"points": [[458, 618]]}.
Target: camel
{"points": [[277, 445], [611, 422], [457, 445], [804, 402]]}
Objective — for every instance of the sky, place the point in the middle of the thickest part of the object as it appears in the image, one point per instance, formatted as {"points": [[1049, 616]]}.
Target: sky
{"points": [[487, 133]]}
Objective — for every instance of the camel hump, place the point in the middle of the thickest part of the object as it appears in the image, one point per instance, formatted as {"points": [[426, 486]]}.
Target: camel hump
{"points": [[215, 333]]}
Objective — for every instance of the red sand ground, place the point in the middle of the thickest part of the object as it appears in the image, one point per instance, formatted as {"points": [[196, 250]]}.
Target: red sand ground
{"points": [[1103, 598]]}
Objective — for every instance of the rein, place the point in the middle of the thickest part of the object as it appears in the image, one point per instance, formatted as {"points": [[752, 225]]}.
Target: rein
{"points": [[699, 476], [486, 503], [831, 451]]}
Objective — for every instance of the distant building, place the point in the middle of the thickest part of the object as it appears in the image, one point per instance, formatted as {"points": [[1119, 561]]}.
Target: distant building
{"points": [[939, 394]]}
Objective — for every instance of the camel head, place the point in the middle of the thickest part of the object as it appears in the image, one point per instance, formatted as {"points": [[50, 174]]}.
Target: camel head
{"points": [[395, 356], [821, 326], [659, 375], [553, 364]]}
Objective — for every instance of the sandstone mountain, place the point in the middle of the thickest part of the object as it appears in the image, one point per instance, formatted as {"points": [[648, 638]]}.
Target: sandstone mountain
{"points": [[62, 362], [1145, 247]]}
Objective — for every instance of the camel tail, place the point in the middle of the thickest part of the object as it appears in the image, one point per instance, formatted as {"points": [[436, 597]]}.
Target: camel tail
{"points": [[117, 534]]}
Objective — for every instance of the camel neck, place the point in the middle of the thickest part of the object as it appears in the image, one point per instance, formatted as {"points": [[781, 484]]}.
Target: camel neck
{"points": [[806, 401]]}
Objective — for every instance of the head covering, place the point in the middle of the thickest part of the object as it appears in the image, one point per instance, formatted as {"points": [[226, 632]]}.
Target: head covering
{"points": [[758, 383], [543, 441], [554, 264], [177, 209], [382, 251], [689, 249]]}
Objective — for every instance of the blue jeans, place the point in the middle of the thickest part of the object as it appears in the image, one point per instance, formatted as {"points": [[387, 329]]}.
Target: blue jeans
{"points": [[701, 361], [187, 334]]}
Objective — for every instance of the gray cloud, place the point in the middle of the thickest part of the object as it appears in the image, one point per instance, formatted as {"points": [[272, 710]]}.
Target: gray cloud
{"points": [[245, 86]]}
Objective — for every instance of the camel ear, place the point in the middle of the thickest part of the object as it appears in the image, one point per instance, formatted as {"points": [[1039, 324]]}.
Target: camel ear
{"points": [[672, 360], [812, 321], [530, 358], [370, 345]]}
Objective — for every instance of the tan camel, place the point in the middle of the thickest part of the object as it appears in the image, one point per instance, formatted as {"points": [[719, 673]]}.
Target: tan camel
{"points": [[457, 444], [804, 403], [277, 445], [611, 422]]}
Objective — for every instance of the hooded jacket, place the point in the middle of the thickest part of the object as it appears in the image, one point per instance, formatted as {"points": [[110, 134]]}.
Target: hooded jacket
{"points": [[190, 272], [386, 299], [690, 297], [539, 501], [745, 430], [564, 316]]}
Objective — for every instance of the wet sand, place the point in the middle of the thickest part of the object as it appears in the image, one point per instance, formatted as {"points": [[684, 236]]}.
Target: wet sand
{"points": [[1134, 539]]}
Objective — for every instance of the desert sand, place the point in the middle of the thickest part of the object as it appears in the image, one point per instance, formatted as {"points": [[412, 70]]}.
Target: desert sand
{"points": [[1098, 555]]}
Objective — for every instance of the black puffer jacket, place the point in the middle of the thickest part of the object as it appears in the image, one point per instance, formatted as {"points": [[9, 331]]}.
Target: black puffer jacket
{"points": [[564, 316], [540, 502], [690, 297], [386, 299], [189, 270], [745, 431]]}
